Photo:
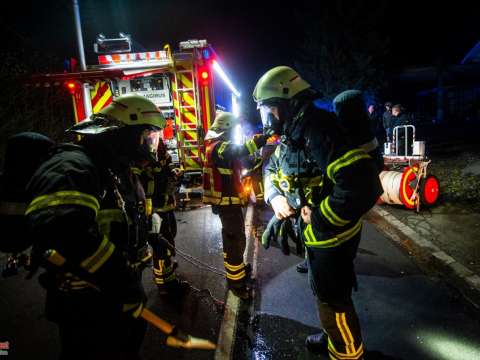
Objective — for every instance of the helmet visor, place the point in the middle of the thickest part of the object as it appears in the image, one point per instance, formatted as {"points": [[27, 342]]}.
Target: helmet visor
{"points": [[265, 114], [269, 115], [149, 141]]}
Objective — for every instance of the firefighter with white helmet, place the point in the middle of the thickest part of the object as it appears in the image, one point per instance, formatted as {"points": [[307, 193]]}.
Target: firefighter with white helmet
{"points": [[89, 222], [222, 188], [318, 174]]}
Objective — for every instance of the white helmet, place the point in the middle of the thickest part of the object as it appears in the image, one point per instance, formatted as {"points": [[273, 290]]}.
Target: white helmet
{"points": [[223, 123]]}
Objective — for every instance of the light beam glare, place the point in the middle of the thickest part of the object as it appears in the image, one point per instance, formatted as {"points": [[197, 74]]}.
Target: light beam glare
{"points": [[225, 78]]}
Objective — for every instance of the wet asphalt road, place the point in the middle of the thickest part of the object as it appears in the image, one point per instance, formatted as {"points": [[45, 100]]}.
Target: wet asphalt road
{"points": [[199, 313], [405, 313]]}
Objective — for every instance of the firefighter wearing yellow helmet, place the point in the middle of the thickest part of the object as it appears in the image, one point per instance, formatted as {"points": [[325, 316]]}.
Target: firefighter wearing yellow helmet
{"points": [[223, 189], [318, 175], [87, 216]]}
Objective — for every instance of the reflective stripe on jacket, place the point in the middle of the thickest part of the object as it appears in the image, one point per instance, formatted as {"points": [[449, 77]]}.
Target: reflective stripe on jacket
{"points": [[221, 176]]}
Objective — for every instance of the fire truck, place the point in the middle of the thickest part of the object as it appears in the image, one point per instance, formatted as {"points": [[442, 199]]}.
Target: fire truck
{"points": [[180, 82]]}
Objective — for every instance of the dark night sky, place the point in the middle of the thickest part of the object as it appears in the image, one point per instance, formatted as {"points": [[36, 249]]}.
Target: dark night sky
{"points": [[249, 37]]}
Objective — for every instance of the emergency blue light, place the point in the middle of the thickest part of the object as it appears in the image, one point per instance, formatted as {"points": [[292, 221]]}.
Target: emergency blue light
{"points": [[206, 54]]}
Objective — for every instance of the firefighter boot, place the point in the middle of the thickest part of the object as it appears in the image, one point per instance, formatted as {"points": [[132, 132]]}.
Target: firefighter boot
{"points": [[317, 343], [175, 288], [302, 267], [242, 292], [248, 272]]}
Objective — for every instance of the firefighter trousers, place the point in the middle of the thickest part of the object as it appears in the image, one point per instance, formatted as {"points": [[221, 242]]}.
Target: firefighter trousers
{"points": [[234, 243], [164, 250], [332, 278]]}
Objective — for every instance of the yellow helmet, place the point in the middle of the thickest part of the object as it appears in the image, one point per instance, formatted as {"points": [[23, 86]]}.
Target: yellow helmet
{"points": [[224, 121], [126, 110], [281, 82]]}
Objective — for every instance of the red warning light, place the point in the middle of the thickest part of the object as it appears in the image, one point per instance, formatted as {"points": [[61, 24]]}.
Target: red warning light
{"points": [[71, 87], [204, 76]]}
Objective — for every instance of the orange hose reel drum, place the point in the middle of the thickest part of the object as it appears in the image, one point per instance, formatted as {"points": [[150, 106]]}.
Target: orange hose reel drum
{"points": [[407, 186]]}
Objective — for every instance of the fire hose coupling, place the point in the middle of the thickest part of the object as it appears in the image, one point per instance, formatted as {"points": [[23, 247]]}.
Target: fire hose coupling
{"points": [[54, 257]]}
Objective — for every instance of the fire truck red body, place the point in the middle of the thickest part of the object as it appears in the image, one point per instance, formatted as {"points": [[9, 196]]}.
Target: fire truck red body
{"points": [[179, 82]]}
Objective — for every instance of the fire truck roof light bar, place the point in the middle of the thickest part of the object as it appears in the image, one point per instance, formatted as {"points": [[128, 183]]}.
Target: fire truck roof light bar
{"points": [[225, 78], [136, 65]]}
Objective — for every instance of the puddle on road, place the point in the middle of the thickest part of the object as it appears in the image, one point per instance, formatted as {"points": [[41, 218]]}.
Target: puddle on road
{"points": [[270, 337]]}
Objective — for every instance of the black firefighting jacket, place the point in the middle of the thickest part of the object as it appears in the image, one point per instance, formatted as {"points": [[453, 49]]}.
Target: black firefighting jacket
{"points": [[315, 165], [92, 216], [159, 182]]}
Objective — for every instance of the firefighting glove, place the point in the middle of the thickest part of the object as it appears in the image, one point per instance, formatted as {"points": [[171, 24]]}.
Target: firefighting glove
{"points": [[260, 140], [282, 237], [295, 236], [271, 232]]}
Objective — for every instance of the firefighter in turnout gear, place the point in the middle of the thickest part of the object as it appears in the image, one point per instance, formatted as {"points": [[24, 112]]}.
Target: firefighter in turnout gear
{"points": [[223, 189], [159, 181], [89, 221], [317, 172]]}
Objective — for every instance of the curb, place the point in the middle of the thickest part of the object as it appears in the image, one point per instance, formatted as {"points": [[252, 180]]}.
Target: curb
{"points": [[467, 282]]}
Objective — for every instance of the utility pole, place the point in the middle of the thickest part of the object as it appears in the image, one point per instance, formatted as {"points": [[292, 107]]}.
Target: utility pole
{"points": [[81, 52]]}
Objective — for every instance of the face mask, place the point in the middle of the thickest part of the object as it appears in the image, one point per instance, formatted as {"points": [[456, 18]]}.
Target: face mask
{"points": [[271, 125], [149, 140]]}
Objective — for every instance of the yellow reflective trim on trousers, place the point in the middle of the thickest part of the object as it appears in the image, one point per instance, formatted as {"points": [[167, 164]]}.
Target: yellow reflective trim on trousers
{"points": [[337, 240], [165, 270], [334, 354], [161, 281], [99, 257], [225, 171], [238, 276], [330, 215], [345, 332], [251, 146], [63, 198], [347, 159], [233, 267]]}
